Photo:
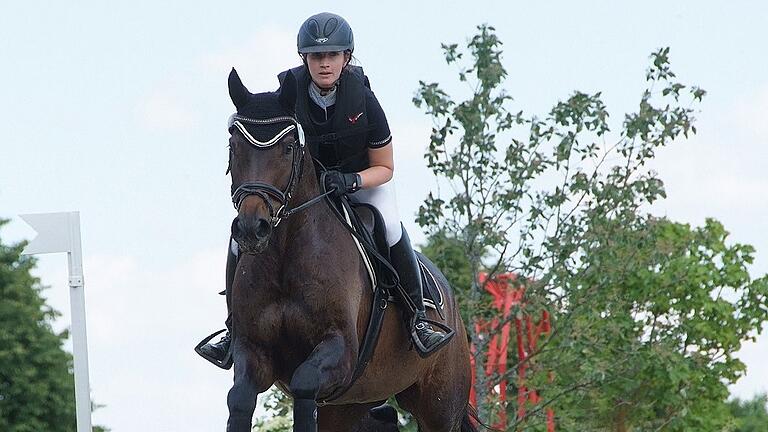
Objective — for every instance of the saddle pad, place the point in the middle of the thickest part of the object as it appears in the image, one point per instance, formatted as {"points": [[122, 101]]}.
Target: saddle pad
{"points": [[434, 284]]}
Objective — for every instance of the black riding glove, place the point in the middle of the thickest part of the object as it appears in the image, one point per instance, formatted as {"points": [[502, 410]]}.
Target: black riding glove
{"points": [[342, 183]]}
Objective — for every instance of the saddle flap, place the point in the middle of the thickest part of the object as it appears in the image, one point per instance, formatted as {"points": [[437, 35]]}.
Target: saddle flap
{"points": [[369, 219]]}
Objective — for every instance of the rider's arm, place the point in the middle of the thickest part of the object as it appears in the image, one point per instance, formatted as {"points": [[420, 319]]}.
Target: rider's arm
{"points": [[380, 157], [381, 169]]}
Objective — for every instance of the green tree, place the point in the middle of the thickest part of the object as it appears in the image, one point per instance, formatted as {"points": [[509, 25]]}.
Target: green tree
{"points": [[36, 383], [750, 415], [646, 312], [279, 412], [664, 309]]}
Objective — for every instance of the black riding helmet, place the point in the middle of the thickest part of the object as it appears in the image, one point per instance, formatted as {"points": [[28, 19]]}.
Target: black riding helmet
{"points": [[325, 32]]}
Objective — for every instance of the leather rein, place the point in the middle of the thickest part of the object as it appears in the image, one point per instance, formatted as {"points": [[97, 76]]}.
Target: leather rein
{"points": [[265, 191]]}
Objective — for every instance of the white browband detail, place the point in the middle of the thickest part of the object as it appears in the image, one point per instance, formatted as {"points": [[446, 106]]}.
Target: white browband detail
{"points": [[302, 140], [269, 143]]}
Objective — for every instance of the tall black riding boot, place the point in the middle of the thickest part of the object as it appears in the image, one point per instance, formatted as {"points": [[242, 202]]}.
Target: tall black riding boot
{"points": [[218, 352], [426, 340]]}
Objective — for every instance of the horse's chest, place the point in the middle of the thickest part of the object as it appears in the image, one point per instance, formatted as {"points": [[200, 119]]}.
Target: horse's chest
{"points": [[289, 322]]}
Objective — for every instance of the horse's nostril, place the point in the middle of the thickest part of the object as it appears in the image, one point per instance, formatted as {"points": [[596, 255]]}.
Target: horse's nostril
{"points": [[237, 227], [262, 228]]}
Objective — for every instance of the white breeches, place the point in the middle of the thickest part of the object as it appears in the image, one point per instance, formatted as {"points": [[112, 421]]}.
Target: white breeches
{"points": [[385, 200]]}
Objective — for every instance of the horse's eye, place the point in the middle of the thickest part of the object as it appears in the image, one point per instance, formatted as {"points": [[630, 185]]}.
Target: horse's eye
{"points": [[288, 149]]}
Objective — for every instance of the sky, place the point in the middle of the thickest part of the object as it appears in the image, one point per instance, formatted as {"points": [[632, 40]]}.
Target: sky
{"points": [[118, 110]]}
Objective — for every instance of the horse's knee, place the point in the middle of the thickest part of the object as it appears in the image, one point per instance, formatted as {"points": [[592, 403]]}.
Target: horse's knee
{"points": [[384, 413], [241, 400], [239, 424], [325, 369], [305, 383], [379, 419]]}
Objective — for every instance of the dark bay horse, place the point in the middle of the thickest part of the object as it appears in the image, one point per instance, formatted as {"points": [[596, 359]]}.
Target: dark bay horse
{"points": [[301, 297]]}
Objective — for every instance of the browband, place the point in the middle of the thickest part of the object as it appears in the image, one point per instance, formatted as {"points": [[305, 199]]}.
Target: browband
{"points": [[238, 120], [263, 144]]}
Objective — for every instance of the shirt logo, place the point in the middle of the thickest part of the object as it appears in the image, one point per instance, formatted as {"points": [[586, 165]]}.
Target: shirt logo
{"points": [[353, 119]]}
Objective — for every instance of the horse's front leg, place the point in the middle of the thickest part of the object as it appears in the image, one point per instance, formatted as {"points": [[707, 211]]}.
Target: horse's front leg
{"points": [[327, 368], [253, 375]]}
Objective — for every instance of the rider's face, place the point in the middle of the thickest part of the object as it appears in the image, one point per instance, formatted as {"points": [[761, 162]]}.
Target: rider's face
{"points": [[325, 67]]}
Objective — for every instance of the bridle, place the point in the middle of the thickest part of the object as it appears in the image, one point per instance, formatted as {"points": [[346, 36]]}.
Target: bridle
{"points": [[265, 191]]}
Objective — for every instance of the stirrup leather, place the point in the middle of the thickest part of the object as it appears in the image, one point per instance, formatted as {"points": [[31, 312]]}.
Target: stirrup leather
{"points": [[423, 351], [226, 362]]}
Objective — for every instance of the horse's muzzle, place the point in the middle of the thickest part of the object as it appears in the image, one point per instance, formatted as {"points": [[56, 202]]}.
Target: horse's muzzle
{"points": [[251, 233]]}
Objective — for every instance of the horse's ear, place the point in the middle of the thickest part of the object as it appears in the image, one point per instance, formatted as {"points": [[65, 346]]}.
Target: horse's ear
{"points": [[287, 91], [237, 91]]}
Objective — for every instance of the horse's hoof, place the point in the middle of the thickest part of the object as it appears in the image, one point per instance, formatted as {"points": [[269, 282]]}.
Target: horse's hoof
{"points": [[385, 413]]}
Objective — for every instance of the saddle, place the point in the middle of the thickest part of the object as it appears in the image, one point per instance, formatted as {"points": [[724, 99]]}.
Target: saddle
{"points": [[366, 220], [367, 227]]}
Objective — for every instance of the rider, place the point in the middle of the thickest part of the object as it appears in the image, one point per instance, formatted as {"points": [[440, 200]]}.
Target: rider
{"points": [[348, 133]]}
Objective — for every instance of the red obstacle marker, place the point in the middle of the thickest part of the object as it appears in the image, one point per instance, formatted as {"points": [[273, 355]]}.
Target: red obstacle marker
{"points": [[506, 294]]}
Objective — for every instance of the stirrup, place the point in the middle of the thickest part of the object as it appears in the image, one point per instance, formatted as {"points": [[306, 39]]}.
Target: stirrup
{"points": [[423, 351], [226, 362]]}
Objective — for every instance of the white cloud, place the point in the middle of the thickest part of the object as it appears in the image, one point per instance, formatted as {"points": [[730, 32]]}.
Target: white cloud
{"points": [[751, 113], [257, 60], [722, 169], [165, 111]]}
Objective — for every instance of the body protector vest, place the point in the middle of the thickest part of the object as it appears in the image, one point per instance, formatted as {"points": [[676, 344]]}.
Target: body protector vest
{"points": [[340, 142]]}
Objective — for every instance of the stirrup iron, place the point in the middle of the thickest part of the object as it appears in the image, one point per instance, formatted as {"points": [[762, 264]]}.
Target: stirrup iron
{"points": [[226, 362], [423, 351]]}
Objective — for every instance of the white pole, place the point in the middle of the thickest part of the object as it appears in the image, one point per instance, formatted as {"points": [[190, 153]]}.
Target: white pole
{"points": [[79, 335], [60, 232]]}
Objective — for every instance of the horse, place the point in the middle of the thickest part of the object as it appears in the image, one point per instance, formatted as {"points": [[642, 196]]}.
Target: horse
{"points": [[302, 297]]}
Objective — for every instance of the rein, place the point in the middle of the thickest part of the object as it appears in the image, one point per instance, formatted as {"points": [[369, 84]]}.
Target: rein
{"points": [[265, 191]]}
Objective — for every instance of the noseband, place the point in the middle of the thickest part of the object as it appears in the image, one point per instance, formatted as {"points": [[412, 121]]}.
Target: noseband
{"points": [[265, 191]]}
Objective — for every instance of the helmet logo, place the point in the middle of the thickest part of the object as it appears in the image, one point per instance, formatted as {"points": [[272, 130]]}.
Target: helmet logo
{"points": [[321, 40]]}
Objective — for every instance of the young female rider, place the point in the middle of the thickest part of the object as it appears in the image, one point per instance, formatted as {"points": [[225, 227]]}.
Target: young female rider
{"points": [[348, 133]]}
